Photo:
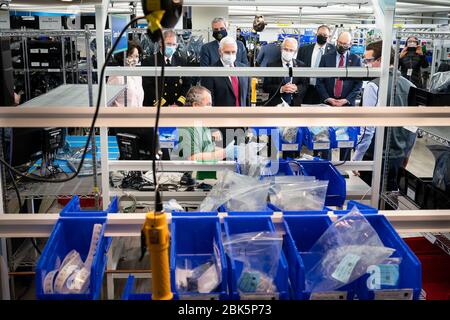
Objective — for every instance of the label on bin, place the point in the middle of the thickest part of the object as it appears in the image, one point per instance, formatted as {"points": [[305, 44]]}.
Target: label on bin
{"points": [[289, 147], [411, 193], [402, 294], [345, 144], [329, 295], [263, 296], [167, 144], [321, 145], [345, 268]]}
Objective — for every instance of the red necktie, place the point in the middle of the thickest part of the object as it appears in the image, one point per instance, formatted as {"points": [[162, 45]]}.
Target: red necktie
{"points": [[235, 84], [339, 83]]}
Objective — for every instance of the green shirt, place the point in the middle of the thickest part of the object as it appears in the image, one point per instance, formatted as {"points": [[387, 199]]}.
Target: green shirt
{"points": [[197, 140]]}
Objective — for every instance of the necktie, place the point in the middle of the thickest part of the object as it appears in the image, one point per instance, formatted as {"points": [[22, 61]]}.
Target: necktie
{"points": [[167, 62], [235, 85], [287, 96], [313, 81], [339, 83]]}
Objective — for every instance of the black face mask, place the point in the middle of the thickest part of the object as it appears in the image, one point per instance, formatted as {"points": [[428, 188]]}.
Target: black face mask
{"points": [[219, 35], [321, 40], [341, 49]]}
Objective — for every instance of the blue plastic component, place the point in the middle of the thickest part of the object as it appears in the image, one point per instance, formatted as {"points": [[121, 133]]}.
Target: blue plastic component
{"points": [[193, 239], [351, 143], [128, 292], [278, 168], [243, 224], [325, 170], [73, 230], [311, 145]]}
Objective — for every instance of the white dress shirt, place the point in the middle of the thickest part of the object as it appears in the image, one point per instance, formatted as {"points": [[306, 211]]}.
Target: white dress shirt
{"points": [[315, 62]]}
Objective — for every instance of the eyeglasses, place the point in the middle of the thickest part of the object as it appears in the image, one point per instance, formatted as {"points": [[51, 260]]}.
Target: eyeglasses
{"points": [[368, 60]]}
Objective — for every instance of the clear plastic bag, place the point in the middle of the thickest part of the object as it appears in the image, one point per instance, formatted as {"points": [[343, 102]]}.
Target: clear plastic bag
{"points": [[303, 195], [172, 205], [385, 275], [204, 278], [258, 254], [320, 134], [344, 252], [342, 134], [238, 193], [440, 82], [289, 134]]}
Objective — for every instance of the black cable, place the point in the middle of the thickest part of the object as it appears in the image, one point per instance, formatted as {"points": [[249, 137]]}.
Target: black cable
{"points": [[348, 150], [34, 177], [158, 202]]}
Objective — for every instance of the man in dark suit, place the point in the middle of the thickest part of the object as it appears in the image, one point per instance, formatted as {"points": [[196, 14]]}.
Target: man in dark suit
{"points": [[228, 91], [288, 90], [175, 88], [268, 53], [311, 55], [209, 53], [335, 91]]}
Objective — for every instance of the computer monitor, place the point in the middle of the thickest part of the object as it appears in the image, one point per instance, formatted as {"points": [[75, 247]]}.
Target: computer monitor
{"points": [[31, 144], [137, 143]]}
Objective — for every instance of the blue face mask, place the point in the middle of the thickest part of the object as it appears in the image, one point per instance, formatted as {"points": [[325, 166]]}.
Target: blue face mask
{"points": [[170, 51]]}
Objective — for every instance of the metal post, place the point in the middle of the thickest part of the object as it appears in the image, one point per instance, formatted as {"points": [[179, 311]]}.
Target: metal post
{"points": [[387, 23], [26, 69], [435, 55], [395, 71], [63, 59], [89, 67], [71, 59], [4, 277], [76, 61]]}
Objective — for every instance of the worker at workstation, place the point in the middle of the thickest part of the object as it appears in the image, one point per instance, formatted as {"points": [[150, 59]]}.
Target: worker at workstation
{"points": [[311, 55], [209, 53], [288, 90], [175, 88]]}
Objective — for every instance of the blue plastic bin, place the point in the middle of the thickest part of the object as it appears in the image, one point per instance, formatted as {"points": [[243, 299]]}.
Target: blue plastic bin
{"points": [[410, 276], [168, 137], [299, 212], [302, 231], [267, 212], [282, 145], [351, 143], [244, 224], [73, 230], [194, 214], [311, 145], [325, 170], [278, 168], [193, 239], [128, 292], [364, 209]]}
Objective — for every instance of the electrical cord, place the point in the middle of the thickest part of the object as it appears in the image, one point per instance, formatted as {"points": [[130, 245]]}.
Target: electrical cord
{"points": [[34, 177], [348, 150]]}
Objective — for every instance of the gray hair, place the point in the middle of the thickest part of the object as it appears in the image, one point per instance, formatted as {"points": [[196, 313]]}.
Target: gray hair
{"points": [[289, 40], [195, 94], [220, 19], [169, 33], [227, 40]]}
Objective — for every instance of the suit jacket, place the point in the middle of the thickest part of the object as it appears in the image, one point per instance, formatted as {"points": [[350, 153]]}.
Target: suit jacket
{"points": [[272, 85], [305, 52], [209, 54], [175, 87], [222, 89], [268, 53], [351, 88]]}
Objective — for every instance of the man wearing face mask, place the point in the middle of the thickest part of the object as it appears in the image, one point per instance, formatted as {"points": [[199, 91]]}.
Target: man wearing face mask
{"points": [[228, 91], [175, 88], [311, 55], [134, 93], [412, 60], [335, 91], [209, 54], [289, 90], [401, 139]]}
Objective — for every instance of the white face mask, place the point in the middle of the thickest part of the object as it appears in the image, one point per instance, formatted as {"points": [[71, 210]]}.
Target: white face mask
{"points": [[132, 62], [287, 56], [228, 59]]}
